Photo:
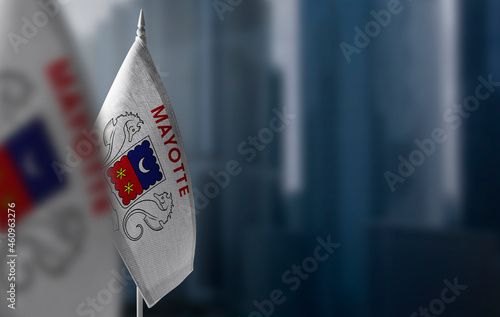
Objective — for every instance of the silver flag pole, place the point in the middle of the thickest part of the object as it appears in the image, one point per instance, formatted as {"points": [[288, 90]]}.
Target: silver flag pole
{"points": [[140, 304], [141, 32], [141, 27]]}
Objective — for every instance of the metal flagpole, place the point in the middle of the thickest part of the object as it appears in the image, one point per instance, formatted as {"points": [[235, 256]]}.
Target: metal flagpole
{"points": [[140, 303], [141, 32], [141, 27]]}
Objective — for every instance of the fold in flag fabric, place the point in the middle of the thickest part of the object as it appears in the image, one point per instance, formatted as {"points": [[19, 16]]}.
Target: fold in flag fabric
{"points": [[148, 177]]}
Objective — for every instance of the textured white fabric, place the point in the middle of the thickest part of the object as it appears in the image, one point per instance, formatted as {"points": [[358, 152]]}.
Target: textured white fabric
{"points": [[154, 230]]}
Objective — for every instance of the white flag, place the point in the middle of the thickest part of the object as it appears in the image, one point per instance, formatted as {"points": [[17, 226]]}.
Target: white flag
{"points": [[147, 172], [55, 255]]}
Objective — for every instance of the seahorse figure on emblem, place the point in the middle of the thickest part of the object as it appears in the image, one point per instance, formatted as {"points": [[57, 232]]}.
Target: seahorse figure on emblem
{"points": [[159, 211], [128, 125]]}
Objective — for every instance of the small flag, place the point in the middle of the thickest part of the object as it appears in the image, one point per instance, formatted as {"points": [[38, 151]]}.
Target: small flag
{"points": [[147, 173]]}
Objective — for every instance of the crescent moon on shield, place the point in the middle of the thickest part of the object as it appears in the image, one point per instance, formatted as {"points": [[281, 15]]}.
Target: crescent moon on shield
{"points": [[141, 167]]}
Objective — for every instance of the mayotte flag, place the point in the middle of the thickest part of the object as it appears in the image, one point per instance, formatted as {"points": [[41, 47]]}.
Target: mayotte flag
{"points": [[148, 173], [135, 173]]}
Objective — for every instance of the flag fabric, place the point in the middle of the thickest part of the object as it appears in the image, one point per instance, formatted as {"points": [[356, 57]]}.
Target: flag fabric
{"points": [[19, 184], [148, 177], [45, 171]]}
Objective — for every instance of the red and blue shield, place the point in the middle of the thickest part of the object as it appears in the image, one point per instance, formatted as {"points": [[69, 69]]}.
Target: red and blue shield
{"points": [[136, 172]]}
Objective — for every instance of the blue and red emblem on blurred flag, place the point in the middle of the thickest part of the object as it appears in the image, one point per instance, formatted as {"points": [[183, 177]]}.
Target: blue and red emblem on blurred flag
{"points": [[135, 172], [26, 174]]}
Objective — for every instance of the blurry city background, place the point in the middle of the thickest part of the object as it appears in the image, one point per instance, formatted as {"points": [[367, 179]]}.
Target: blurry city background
{"points": [[226, 69], [230, 66]]}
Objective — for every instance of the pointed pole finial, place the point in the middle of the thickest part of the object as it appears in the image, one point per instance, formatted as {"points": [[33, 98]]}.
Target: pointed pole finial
{"points": [[141, 27]]}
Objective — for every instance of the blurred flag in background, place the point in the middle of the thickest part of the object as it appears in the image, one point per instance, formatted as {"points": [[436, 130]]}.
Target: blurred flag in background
{"points": [[49, 171]]}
